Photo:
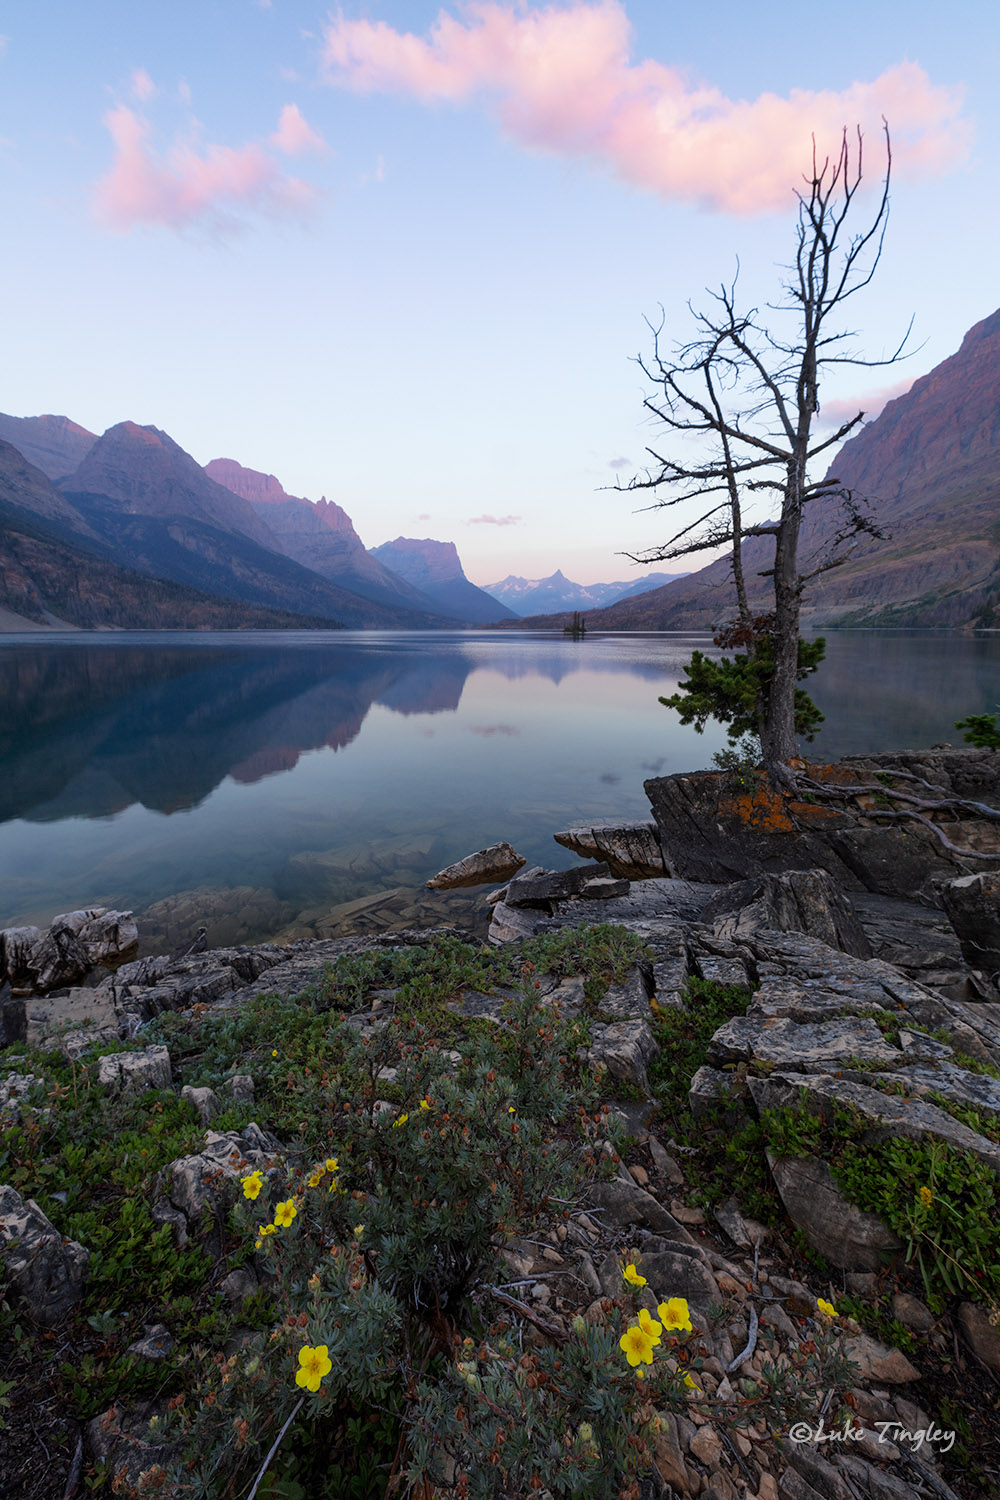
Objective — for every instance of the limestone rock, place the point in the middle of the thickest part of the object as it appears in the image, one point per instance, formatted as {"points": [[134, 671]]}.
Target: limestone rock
{"points": [[982, 1336], [13, 1020], [241, 1087], [625, 1048], [509, 924], [672, 1273], [209, 1178], [132, 1072], [796, 900], [604, 889], [205, 1102], [76, 942], [625, 1203], [631, 850], [498, 862], [14, 1089], [972, 904], [157, 1342], [879, 1362], [628, 1001], [845, 1235], [710, 1088], [806, 1046], [912, 1313], [47, 1270], [552, 885]]}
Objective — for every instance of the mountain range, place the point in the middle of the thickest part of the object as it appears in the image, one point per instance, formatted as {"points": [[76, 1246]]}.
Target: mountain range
{"points": [[127, 531], [136, 534], [528, 596], [929, 469]]}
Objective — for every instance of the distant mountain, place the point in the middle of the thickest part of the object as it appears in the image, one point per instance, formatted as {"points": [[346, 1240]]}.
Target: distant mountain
{"points": [[435, 569], [158, 511], [929, 465], [52, 574], [532, 596], [320, 536], [53, 444]]}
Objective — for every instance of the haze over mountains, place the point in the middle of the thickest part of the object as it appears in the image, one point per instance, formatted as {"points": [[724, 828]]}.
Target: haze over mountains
{"points": [[929, 465], [127, 531], [532, 596]]}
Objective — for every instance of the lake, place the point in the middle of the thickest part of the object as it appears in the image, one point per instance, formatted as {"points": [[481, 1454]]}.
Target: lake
{"points": [[307, 785]]}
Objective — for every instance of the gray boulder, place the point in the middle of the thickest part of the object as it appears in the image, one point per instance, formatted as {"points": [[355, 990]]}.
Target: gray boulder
{"points": [[133, 1072], [631, 850], [625, 1048], [208, 1179], [795, 901], [972, 905], [844, 1234], [47, 1270], [76, 942], [498, 862]]}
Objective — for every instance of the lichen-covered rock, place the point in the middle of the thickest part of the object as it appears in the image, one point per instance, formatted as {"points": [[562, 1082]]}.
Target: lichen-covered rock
{"points": [[134, 1072], [47, 1270], [844, 1234]]}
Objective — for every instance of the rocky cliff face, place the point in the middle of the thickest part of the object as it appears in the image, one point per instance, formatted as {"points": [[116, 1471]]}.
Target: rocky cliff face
{"points": [[145, 472], [320, 536], [436, 569], [53, 444], [930, 467]]}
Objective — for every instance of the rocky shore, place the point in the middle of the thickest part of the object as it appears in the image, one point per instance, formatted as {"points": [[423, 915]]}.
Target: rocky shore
{"points": [[862, 952]]}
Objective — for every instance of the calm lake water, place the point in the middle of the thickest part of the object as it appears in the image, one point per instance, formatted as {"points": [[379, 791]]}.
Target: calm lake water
{"points": [[309, 784]]}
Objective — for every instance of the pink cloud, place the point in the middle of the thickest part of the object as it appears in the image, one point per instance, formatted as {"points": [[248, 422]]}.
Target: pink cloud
{"points": [[187, 185], [486, 520], [560, 79], [834, 414], [141, 86], [293, 136]]}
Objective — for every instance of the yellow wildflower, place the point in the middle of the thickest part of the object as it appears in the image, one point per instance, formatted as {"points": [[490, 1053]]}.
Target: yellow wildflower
{"points": [[400, 1119], [314, 1363], [315, 1177], [265, 1229], [274, 1051], [650, 1326], [926, 1197], [632, 1276], [688, 1380], [637, 1345], [425, 1104], [674, 1315], [359, 1230], [252, 1184], [332, 1164], [826, 1308], [285, 1213]]}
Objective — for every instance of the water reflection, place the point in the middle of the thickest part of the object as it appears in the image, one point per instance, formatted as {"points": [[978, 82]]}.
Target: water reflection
{"points": [[268, 785], [92, 729]]}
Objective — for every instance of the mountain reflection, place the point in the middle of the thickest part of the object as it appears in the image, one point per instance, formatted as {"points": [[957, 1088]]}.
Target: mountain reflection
{"points": [[90, 729]]}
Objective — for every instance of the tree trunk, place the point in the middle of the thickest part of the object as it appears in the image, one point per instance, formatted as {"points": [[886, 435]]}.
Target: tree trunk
{"points": [[778, 740]]}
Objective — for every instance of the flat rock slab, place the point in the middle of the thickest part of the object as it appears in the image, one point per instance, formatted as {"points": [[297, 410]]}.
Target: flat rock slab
{"points": [[498, 862], [806, 1046], [890, 1114], [844, 1234]]}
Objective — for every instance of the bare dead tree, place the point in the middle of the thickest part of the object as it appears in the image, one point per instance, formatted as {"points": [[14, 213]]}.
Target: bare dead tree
{"points": [[747, 399]]}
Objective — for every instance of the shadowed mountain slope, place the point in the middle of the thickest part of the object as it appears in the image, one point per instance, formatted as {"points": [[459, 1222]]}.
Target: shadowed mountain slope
{"points": [[929, 465]]}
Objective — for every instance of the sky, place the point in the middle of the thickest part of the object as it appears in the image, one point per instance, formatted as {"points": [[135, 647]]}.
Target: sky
{"points": [[405, 256]]}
